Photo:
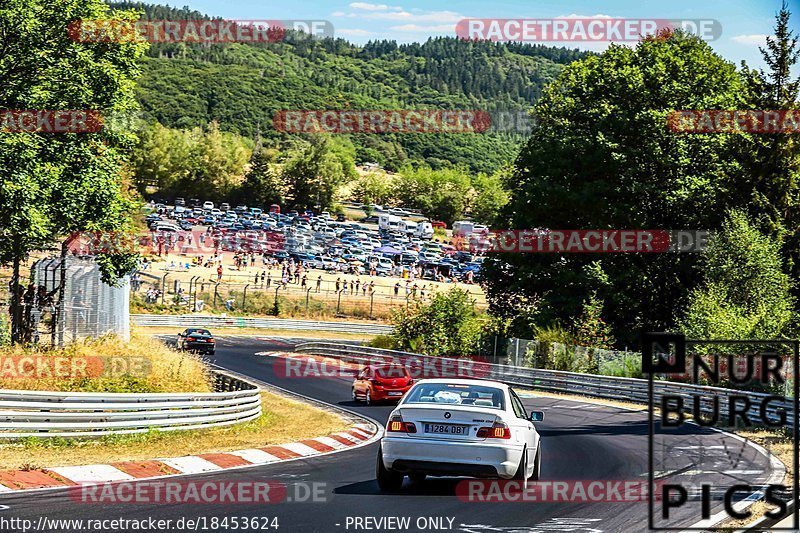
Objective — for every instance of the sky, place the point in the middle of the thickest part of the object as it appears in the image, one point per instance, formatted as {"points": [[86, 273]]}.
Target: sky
{"points": [[744, 23]]}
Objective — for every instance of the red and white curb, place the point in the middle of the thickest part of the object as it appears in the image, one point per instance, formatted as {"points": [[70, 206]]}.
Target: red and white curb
{"points": [[65, 476]]}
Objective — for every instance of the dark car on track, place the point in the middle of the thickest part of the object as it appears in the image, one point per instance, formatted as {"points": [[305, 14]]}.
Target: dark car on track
{"points": [[196, 340]]}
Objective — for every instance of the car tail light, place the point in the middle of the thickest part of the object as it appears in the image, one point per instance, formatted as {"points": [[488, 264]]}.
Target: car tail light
{"points": [[396, 425], [211, 340], [498, 431]]}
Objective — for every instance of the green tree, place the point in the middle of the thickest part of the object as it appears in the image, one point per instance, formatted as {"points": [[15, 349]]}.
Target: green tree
{"points": [[447, 326], [315, 172], [775, 162], [440, 194], [601, 157], [53, 184], [590, 329], [746, 293], [373, 188], [262, 184], [490, 197], [204, 161]]}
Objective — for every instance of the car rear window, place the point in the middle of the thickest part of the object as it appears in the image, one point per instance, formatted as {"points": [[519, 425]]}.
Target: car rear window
{"points": [[391, 372], [199, 332], [456, 394]]}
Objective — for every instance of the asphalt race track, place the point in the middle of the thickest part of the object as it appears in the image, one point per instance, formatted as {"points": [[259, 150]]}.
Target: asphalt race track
{"points": [[581, 441]]}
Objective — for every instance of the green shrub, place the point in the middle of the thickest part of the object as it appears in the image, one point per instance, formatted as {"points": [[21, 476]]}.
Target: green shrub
{"points": [[383, 342]]}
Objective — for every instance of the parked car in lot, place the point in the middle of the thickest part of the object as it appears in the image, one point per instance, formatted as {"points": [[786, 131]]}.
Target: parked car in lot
{"points": [[459, 427], [196, 340], [381, 382], [208, 206]]}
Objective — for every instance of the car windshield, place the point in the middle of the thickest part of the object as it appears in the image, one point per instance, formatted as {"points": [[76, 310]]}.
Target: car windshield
{"points": [[456, 394], [199, 332]]}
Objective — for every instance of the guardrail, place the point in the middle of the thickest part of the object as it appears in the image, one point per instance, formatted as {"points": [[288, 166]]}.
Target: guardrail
{"points": [[608, 387], [90, 414], [210, 321]]}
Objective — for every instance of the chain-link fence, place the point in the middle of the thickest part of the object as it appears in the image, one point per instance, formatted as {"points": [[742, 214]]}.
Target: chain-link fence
{"points": [[49, 313], [558, 356], [307, 295]]}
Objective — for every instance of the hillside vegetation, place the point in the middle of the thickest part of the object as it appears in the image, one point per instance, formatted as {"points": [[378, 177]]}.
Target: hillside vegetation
{"points": [[242, 87]]}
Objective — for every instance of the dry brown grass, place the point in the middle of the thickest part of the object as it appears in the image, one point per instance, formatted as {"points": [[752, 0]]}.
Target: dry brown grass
{"points": [[261, 332], [284, 420], [142, 364]]}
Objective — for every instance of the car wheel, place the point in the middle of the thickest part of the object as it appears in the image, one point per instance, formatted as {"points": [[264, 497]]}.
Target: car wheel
{"points": [[367, 398], [355, 398], [417, 478], [521, 475], [387, 480], [537, 464]]}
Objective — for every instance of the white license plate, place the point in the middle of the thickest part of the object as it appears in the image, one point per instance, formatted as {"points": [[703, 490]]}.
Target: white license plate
{"points": [[395, 393], [447, 429]]}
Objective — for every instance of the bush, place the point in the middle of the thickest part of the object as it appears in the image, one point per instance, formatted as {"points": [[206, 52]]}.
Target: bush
{"points": [[447, 326], [383, 342]]}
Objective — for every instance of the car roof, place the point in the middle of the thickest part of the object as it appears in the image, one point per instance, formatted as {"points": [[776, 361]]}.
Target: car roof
{"points": [[462, 381]]}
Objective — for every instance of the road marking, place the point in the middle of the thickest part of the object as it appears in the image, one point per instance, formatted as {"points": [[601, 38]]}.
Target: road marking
{"points": [[191, 464], [302, 449], [91, 473], [333, 443], [256, 456]]}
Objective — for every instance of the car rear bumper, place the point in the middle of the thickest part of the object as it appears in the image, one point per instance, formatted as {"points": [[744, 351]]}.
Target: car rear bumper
{"points": [[388, 393], [443, 457], [206, 348]]}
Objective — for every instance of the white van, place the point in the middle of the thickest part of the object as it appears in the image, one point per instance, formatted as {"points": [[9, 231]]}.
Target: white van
{"points": [[424, 230], [407, 226], [463, 227], [389, 222]]}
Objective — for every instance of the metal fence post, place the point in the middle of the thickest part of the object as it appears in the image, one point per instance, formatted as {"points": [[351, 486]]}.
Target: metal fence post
{"points": [[308, 297], [164, 286], [339, 301], [371, 302], [216, 293], [244, 295]]}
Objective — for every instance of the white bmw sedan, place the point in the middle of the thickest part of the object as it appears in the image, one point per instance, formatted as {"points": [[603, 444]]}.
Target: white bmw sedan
{"points": [[459, 427]]}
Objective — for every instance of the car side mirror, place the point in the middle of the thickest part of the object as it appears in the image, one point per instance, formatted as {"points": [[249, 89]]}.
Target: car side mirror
{"points": [[536, 416]]}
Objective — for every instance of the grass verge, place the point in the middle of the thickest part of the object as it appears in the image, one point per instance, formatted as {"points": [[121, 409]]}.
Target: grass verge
{"points": [[262, 332], [105, 364], [283, 420]]}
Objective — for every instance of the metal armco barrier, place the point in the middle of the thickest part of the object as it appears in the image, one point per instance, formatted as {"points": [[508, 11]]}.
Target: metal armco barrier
{"points": [[89, 414], [608, 387], [210, 321]]}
